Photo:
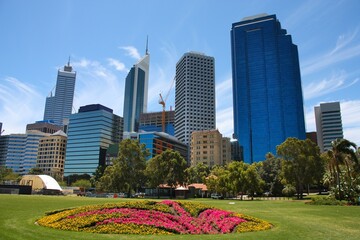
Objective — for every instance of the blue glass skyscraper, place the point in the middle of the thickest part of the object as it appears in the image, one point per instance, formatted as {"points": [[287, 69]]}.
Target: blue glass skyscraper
{"points": [[91, 131], [136, 93], [267, 94]]}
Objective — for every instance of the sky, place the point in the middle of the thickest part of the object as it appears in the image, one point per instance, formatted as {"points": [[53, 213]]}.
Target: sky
{"points": [[105, 38]]}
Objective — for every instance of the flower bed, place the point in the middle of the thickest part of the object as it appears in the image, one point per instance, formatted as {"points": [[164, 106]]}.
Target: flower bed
{"points": [[151, 217]]}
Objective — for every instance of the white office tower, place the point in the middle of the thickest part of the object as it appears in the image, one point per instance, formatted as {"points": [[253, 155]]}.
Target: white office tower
{"points": [[328, 124], [194, 95]]}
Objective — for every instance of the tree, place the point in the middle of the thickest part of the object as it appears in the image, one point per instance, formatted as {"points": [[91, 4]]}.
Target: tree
{"points": [[167, 167], [237, 177], [342, 153], [99, 172], [270, 172], [197, 174], [218, 180], [7, 174], [35, 171], [83, 183], [128, 170], [253, 181], [298, 162]]}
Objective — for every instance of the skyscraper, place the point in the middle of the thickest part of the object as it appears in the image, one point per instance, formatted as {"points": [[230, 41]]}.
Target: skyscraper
{"points": [[58, 107], [328, 124], [267, 94], [136, 93], [194, 95], [91, 131]]}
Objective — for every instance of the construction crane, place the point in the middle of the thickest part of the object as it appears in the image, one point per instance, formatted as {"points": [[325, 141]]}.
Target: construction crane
{"points": [[162, 101]]}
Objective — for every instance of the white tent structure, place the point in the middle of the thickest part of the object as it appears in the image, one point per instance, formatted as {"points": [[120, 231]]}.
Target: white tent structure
{"points": [[39, 182]]}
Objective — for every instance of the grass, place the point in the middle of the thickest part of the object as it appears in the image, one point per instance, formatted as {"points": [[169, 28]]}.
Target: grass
{"points": [[292, 219]]}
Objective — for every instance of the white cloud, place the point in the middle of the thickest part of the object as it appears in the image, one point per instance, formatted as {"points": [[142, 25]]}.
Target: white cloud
{"points": [[132, 52], [225, 122], [224, 94], [335, 82], [341, 52], [117, 64], [95, 83], [19, 105]]}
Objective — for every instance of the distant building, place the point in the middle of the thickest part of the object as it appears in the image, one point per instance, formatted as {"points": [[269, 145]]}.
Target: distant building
{"points": [[20, 150], [328, 124], [46, 126], [136, 93], [267, 93], [51, 154], [210, 148], [4, 141], [194, 95], [312, 136], [152, 122], [157, 142], [236, 151], [91, 131], [59, 106]]}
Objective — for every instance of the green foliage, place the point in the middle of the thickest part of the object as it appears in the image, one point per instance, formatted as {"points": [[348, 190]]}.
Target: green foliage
{"points": [[81, 183], [95, 178], [300, 159], [270, 172], [326, 200], [237, 177], [197, 174], [167, 167], [7, 174], [253, 182], [74, 177], [289, 191], [35, 171], [218, 180], [128, 170], [344, 169]]}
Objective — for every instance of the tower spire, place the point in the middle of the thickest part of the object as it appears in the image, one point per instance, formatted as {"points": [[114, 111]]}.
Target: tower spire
{"points": [[147, 45], [69, 62]]}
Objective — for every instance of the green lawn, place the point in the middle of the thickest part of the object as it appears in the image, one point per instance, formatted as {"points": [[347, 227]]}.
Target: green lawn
{"points": [[292, 219]]}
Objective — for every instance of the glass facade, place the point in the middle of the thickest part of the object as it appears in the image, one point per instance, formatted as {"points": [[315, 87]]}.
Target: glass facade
{"points": [[267, 94], [136, 91], [91, 131], [19, 151], [60, 106], [157, 142]]}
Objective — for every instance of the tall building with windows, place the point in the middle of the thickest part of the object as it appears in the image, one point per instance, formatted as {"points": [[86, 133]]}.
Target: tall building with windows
{"points": [[194, 95], [152, 122], [136, 93], [91, 131], [59, 106], [19, 151], [210, 148], [267, 94], [51, 154], [328, 124]]}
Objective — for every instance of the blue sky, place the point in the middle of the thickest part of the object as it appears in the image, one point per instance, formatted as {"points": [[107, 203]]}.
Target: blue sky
{"points": [[105, 38]]}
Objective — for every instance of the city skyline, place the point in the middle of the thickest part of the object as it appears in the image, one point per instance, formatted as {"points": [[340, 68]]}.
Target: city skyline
{"points": [[104, 41]]}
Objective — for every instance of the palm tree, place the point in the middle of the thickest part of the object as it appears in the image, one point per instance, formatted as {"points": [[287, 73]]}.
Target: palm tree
{"points": [[341, 153]]}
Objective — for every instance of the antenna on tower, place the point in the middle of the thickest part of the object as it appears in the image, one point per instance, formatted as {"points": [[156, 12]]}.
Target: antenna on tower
{"points": [[147, 45], [69, 62]]}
